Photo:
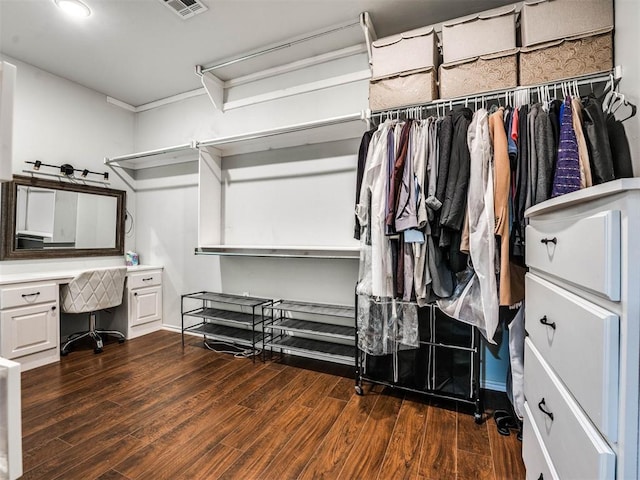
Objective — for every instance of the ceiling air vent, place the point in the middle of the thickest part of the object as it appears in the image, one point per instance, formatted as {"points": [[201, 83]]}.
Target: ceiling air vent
{"points": [[185, 8]]}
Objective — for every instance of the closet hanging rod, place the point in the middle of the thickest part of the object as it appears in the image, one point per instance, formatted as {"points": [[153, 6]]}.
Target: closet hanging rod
{"points": [[281, 46], [500, 94], [282, 130]]}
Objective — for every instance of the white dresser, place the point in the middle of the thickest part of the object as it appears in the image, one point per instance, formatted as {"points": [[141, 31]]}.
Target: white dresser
{"points": [[30, 314], [582, 360]]}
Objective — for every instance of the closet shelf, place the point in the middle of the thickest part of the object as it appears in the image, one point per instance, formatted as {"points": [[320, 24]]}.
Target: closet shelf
{"points": [[186, 152], [327, 130], [307, 133], [282, 251]]}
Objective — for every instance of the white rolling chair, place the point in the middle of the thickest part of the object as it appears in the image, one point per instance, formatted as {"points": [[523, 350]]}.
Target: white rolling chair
{"points": [[88, 292]]}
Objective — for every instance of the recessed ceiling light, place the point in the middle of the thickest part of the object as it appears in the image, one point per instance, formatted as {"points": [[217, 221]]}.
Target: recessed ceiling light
{"points": [[73, 7]]}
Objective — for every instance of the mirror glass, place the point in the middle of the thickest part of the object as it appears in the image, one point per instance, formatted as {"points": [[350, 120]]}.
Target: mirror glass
{"points": [[43, 218]]}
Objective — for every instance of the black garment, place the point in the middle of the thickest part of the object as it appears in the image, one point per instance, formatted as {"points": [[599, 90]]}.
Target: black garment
{"points": [[620, 151], [554, 116], [516, 239], [455, 198], [362, 159], [545, 156], [595, 131], [445, 135]]}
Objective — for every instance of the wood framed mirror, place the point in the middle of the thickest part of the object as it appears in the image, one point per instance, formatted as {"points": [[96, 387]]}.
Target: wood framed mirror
{"points": [[55, 219]]}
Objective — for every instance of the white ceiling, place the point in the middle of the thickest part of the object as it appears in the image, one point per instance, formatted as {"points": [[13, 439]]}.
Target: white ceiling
{"points": [[139, 51]]}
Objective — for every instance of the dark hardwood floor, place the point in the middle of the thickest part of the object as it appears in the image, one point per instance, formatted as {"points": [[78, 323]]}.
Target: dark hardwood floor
{"points": [[148, 409]]}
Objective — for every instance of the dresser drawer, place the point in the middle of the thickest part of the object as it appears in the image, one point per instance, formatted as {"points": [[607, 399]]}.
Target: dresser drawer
{"points": [[576, 448], [584, 250], [24, 295], [534, 454], [579, 341], [144, 279]]}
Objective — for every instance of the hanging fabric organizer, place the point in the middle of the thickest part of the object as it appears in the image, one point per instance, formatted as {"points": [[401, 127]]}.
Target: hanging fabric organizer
{"points": [[441, 195]]}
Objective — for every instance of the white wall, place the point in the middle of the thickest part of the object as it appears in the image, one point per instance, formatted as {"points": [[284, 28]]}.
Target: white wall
{"points": [[58, 121], [256, 185], [627, 55]]}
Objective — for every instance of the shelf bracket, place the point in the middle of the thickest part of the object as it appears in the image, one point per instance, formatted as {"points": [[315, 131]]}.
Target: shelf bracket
{"points": [[213, 86], [369, 31]]}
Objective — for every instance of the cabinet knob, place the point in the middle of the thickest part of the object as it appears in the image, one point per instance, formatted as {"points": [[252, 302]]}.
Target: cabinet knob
{"points": [[541, 405], [541, 477], [546, 322], [135, 294], [547, 241], [53, 308]]}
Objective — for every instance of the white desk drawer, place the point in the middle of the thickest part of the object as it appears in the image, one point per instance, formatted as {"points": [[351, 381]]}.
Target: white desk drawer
{"points": [[144, 279], [582, 250], [24, 295], [576, 448], [534, 454], [579, 341]]}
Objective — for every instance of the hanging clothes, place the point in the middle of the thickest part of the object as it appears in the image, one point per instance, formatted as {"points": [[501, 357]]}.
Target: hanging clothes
{"points": [[546, 149], [620, 151], [511, 289], [583, 152], [376, 264], [567, 175], [480, 211], [362, 159], [595, 130]]}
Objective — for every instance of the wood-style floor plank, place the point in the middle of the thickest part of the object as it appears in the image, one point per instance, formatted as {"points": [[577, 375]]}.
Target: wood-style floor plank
{"points": [[474, 467], [366, 456], [402, 458], [295, 455], [506, 454], [438, 459], [330, 457], [151, 409]]}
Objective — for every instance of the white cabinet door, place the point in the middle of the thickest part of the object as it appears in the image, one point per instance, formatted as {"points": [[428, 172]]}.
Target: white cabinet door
{"points": [[28, 330], [146, 305]]}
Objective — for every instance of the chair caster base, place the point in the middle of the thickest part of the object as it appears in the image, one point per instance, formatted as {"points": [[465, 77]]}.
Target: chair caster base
{"points": [[97, 350], [64, 353], [121, 340]]}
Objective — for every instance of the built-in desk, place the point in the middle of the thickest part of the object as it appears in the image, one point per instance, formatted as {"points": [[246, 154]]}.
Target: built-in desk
{"points": [[30, 312]]}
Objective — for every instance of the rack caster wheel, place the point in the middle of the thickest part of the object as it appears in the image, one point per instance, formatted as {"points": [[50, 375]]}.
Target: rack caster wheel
{"points": [[121, 340], [359, 390], [97, 350], [477, 417], [64, 353]]}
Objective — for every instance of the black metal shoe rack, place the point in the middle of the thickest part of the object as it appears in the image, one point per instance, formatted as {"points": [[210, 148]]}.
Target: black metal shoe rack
{"points": [[222, 317]]}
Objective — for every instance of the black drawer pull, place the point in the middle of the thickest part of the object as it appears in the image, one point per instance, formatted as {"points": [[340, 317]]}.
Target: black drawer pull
{"points": [[547, 241], [541, 477], [25, 295], [147, 279], [542, 403], [546, 322]]}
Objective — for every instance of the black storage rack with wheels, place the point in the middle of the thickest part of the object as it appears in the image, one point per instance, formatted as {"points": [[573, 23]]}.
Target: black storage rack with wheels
{"points": [[446, 365], [223, 317]]}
